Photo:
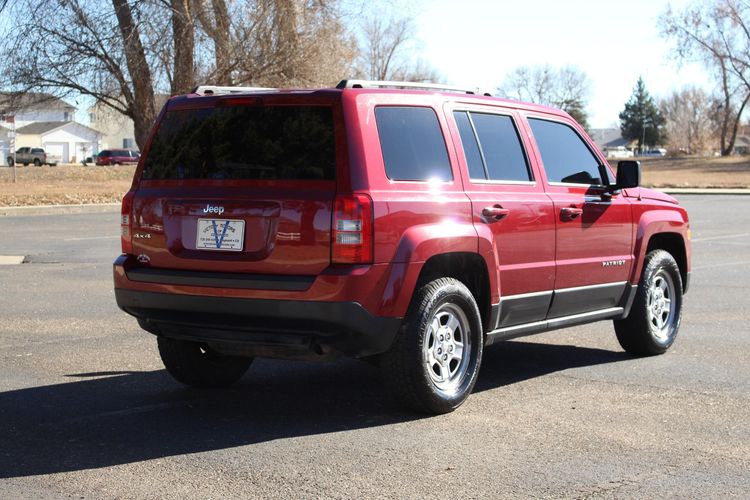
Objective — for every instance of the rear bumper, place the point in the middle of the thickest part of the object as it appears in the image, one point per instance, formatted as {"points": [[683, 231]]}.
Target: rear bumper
{"points": [[268, 328]]}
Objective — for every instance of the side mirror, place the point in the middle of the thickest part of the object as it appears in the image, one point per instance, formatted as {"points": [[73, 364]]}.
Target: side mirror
{"points": [[628, 174]]}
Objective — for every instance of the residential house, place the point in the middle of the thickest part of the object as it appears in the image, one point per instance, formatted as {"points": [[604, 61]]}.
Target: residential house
{"points": [[611, 142], [37, 119], [117, 129], [67, 142]]}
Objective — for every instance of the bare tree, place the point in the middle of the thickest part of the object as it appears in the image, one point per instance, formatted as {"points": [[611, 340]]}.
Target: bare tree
{"points": [[74, 47], [718, 34], [566, 87], [388, 50], [690, 125], [215, 20], [138, 95], [183, 39], [122, 52]]}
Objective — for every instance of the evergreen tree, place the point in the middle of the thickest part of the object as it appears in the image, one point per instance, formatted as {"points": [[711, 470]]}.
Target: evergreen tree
{"points": [[576, 109], [641, 111]]}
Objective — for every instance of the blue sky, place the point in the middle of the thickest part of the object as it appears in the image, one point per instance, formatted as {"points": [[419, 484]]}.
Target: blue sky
{"points": [[476, 43]]}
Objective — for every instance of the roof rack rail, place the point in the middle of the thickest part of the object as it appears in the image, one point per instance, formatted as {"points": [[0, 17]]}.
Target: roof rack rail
{"points": [[218, 90], [370, 84]]}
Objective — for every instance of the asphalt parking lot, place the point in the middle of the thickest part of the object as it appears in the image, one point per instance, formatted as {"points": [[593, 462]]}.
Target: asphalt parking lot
{"points": [[87, 410]]}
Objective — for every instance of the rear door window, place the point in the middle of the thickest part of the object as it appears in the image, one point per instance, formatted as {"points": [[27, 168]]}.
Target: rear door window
{"points": [[493, 148], [413, 144], [244, 142], [565, 156], [471, 146]]}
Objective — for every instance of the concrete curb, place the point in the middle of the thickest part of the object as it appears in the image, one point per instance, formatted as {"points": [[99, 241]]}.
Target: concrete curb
{"points": [[723, 191], [87, 208], [11, 260]]}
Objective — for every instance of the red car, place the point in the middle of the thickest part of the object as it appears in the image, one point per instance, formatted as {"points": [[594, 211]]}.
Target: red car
{"points": [[117, 157], [412, 226]]}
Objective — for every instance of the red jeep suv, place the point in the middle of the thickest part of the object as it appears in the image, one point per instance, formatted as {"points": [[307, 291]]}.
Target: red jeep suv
{"points": [[413, 224]]}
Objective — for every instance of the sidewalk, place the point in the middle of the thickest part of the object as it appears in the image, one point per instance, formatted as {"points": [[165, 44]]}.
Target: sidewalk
{"points": [[705, 190], [60, 209], [115, 207]]}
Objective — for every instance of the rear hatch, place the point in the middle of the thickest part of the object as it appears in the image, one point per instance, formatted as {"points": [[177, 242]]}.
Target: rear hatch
{"points": [[240, 184]]}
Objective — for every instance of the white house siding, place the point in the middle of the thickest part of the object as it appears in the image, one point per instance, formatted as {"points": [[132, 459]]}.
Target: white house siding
{"points": [[4, 151], [117, 129], [24, 118], [4, 145], [28, 141], [68, 140]]}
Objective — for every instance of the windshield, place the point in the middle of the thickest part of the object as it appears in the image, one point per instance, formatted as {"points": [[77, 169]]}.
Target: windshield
{"points": [[244, 142]]}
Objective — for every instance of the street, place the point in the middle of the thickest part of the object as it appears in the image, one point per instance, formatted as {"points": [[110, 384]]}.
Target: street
{"points": [[87, 410]]}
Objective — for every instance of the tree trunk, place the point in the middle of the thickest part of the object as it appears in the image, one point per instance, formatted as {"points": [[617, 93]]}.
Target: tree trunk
{"points": [[140, 102], [725, 151], [217, 27], [183, 28], [222, 46], [735, 127]]}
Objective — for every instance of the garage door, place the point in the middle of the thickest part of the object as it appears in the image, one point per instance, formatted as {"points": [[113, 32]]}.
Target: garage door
{"points": [[57, 151]]}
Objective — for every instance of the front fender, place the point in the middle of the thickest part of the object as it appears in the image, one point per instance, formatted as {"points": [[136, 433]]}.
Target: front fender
{"points": [[655, 222]]}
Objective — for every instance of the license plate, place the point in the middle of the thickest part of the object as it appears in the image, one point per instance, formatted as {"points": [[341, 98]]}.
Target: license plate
{"points": [[220, 234]]}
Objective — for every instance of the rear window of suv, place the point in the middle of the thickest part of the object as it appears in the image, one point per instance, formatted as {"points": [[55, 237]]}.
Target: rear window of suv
{"points": [[244, 142]]}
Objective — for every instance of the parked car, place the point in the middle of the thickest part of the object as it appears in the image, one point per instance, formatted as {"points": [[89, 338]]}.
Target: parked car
{"points": [[654, 152], [117, 157], [412, 227], [26, 156], [618, 152]]}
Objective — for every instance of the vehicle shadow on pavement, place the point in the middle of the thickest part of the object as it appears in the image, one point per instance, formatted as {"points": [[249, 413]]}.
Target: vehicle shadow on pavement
{"points": [[103, 419]]}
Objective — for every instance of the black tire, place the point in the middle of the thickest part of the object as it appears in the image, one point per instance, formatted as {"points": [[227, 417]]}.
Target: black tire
{"points": [[10, 161], [116, 164], [194, 364], [654, 319], [410, 368], [25, 164], [37, 163]]}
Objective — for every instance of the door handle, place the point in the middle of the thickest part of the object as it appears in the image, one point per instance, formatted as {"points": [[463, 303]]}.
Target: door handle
{"points": [[495, 213], [570, 213]]}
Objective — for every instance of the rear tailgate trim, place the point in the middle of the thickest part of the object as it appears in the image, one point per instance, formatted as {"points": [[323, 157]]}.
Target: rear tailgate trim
{"points": [[220, 280]]}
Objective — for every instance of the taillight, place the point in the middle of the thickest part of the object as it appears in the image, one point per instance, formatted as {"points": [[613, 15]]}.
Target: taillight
{"points": [[352, 231], [126, 222]]}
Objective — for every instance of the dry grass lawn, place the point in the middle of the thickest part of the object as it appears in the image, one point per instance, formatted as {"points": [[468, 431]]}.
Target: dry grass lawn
{"points": [[729, 172], [64, 185], [74, 184]]}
